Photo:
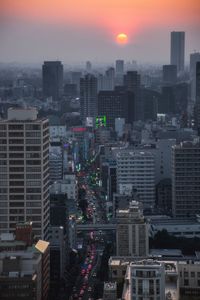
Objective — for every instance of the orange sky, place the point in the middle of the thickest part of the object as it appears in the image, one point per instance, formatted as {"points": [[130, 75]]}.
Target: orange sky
{"points": [[116, 15], [90, 27]]}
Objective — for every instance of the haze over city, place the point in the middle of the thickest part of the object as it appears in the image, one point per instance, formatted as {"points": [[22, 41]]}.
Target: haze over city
{"points": [[74, 31]]}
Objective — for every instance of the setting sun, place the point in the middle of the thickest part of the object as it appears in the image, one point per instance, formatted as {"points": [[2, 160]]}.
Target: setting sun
{"points": [[122, 38]]}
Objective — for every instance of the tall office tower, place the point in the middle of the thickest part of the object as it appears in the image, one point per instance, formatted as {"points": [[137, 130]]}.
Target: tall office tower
{"points": [[169, 74], [24, 163], [88, 66], [116, 104], [88, 97], [177, 56], [132, 235], [197, 102], [198, 82], [194, 58], [186, 180], [52, 76], [136, 170], [110, 79], [75, 79], [146, 280], [132, 84], [119, 67], [119, 72]]}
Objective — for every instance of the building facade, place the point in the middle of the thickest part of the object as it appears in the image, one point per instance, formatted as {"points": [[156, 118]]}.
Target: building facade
{"points": [[24, 171], [132, 231], [178, 50]]}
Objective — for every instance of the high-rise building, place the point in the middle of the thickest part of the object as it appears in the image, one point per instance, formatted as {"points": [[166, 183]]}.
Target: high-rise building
{"points": [[52, 76], [119, 67], [145, 280], [136, 171], [198, 82], [197, 102], [88, 66], [116, 104], [24, 164], [132, 231], [194, 58], [132, 84], [169, 74], [88, 97], [177, 56], [186, 180]]}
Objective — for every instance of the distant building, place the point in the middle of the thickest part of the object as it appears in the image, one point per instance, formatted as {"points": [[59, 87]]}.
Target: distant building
{"points": [[186, 180], [116, 104], [88, 97], [88, 66], [52, 76], [169, 74], [132, 231], [25, 169], [178, 50], [194, 58], [132, 83], [164, 195], [119, 72]]}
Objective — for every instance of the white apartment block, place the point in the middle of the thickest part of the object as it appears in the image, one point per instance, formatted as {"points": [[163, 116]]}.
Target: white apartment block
{"points": [[136, 171], [24, 171], [145, 280]]}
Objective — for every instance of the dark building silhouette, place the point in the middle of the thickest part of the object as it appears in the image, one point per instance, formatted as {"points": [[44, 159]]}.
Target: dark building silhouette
{"points": [[178, 50], [70, 90], [197, 104], [132, 84], [88, 97], [52, 75], [164, 195], [150, 103], [116, 104], [169, 74]]}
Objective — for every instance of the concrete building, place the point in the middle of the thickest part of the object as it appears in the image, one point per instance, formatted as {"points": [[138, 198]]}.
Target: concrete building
{"points": [[67, 186], [24, 273], [136, 171], [169, 74], [88, 97], [177, 55], [24, 185], [186, 180], [52, 76], [110, 291], [132, 231], [145, 280], [189, 277], [116, 104], [140, 275], [194, 58]]}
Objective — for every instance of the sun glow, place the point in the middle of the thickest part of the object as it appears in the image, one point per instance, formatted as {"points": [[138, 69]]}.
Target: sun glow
{"points": [[122, 39]]}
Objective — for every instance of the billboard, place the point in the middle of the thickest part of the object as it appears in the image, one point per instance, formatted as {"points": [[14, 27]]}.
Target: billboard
{"points": [[100, 121]]}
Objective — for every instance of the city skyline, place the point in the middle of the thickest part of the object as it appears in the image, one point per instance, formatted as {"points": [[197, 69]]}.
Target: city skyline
{"points": [[72, 32]]}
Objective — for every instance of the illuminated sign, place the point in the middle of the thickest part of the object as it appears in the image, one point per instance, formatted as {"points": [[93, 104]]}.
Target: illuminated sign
{"points": [[100, 121], [78, 129]]}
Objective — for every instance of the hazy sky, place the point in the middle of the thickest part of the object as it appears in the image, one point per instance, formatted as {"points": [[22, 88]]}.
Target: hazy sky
{"points": [[78, 30]]}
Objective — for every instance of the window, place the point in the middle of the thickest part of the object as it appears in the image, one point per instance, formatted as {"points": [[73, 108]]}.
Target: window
{"points": [[192, 274], [186, 282]]}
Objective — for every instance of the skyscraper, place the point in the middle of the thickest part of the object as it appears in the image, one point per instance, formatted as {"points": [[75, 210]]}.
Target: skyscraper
{"points": [[88, 96], [24, 169], [52, 75], [169, 74], [186, 180], [177, 56], [198, 82], [132, 84], [132, 231], [119, 67], [194, 58], [116, 104]]}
